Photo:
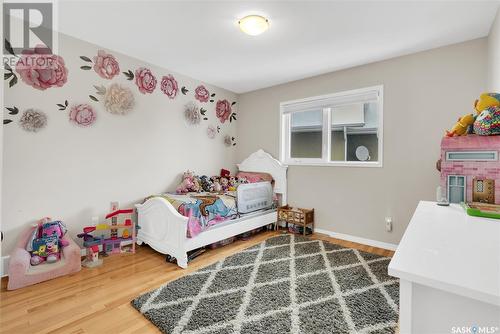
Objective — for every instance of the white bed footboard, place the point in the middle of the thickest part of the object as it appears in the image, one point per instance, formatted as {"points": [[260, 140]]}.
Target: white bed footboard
{"points": [[163, 228]]}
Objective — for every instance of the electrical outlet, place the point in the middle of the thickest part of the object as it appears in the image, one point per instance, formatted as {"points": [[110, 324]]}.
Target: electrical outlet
{"points": [[388, 224]]}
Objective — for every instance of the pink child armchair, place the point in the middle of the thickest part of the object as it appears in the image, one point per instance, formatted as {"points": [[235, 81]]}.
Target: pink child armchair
{"points": [[22, 273]]}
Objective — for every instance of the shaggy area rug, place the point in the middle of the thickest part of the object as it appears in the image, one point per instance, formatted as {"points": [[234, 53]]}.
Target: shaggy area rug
{"points": [[286, 284]]}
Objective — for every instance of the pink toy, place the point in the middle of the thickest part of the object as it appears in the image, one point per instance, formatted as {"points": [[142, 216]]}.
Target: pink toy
{"points": [[189, 183], [469, 169], [46, 241]]}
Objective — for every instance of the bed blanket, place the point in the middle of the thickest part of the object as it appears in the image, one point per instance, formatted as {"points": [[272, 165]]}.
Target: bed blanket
{"points": [[202, 209]]}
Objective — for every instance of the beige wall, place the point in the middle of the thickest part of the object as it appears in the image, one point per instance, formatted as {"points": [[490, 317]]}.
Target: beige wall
{"points": [[424, 94], [494, 55]]}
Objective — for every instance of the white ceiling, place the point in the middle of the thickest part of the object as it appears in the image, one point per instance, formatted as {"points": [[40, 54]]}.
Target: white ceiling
{"points": [[306, 38]]}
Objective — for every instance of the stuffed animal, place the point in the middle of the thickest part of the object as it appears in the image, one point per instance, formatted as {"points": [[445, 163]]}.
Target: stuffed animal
{"points": [[189, 183], [46, 241], [461, 127], [487, 100], [224, 173], [232, 185], [488, 122], [224, 182], [206, 183], [216, 186]]}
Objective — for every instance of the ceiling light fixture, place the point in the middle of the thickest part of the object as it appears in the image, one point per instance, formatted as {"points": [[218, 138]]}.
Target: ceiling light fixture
{"points": [[253, 24]]}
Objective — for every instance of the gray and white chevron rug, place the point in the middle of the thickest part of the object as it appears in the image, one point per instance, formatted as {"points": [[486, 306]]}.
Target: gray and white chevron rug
{"points": [[286, 284]]}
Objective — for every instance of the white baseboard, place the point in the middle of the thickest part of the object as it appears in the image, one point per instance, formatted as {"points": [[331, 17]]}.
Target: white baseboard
{"points": [[4, 266], [359, 240]]}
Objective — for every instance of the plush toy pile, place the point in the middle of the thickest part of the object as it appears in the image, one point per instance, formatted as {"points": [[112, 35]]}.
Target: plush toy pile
{"points": [[220, 183], [46, 241], [485, 121]]}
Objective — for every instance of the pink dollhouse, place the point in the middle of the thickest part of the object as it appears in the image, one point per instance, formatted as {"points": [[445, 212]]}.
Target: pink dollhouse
{"points": [[470, 169]]}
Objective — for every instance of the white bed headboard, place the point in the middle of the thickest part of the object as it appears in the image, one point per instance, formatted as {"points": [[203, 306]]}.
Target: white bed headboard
{"points": [[261, 161]]}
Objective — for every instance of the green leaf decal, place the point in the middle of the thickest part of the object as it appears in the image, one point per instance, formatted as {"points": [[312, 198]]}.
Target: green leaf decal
{"points": [[212, 101], [6, 76], [8, 47], [87, 59], [13, 81], [213, 94], [13, 110], [93, 98], [233, 103], [7, 67], [66, 103], [86, 68], [184, 90], [7, 121]]}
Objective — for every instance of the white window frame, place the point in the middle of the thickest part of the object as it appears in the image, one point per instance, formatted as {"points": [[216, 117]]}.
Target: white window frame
{"points": [[285, 132]]}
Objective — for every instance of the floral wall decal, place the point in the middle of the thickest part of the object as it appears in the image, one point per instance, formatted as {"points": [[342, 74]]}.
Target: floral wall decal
{"points": [[40, 69], [201, 94], [211, 131], [106, 65], [82, 115], [169, 86], [12, 111], [145, 80], [184, 90], [223, 110], [9, 75], [33, 120], [203, 112], [192, 113], [118, 99], [229, 141], [129, 74], [63, 106]]}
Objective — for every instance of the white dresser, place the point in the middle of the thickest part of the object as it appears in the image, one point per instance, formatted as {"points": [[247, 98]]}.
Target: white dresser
{"points": [[449, 266]]}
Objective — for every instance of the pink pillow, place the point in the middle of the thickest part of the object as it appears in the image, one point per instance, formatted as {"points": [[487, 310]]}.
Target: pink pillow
{"points": [[253, 177]]}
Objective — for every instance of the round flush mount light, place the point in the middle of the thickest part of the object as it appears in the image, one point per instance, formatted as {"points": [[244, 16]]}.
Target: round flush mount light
{"points": [[253, 25]]}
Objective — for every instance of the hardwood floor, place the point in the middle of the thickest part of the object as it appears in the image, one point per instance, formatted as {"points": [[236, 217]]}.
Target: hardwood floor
{"points": [[98, 300]]}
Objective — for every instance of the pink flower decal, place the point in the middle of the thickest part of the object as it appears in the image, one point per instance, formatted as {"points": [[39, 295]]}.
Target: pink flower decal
{"points": [[145, 80], [82, 115], [106, 65], [41, 69], [223, 110], [201, 94], [169, 86]]}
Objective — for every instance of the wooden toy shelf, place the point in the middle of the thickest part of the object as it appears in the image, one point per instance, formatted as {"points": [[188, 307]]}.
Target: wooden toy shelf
{"points": [[296, 216]]}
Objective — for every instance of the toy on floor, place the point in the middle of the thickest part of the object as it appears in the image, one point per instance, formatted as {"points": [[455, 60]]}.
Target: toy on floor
{"points": [[46, 241], [461, 127], [116, 235]]}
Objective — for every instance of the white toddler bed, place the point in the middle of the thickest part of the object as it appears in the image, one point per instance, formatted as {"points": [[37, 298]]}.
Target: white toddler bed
{"points": [[165, 230]]}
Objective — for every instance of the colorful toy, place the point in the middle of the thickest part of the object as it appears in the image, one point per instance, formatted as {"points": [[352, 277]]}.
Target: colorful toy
{"points": [[460, 128], [487, 100], [488, 122], [46, 241], [189, 183], [206, 183], [469, 169], [116, 235]]}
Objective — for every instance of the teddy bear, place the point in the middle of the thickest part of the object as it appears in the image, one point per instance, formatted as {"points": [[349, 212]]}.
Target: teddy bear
{"points": [[47, 241]]}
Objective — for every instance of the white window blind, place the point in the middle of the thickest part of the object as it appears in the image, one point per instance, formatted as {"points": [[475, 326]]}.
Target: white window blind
{"points": [[329, 102]]}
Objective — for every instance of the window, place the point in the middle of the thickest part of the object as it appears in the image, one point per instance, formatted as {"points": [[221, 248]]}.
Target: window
{"points": [[341, 129], [456, 188], [472, 156]]}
